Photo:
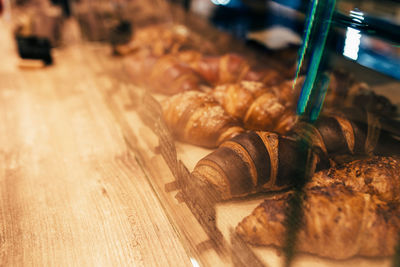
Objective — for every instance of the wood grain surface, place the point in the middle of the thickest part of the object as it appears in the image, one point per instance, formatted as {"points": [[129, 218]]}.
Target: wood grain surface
{"points": [[71, 192]]}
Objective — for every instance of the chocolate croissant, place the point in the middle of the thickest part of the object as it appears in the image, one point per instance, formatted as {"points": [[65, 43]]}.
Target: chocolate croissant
{"points": [[350, 131], [196, 118], [253, 162], [264, 161]]}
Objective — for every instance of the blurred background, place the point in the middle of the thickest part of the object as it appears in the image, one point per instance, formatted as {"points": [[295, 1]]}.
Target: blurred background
{"points": [[365, 33]]}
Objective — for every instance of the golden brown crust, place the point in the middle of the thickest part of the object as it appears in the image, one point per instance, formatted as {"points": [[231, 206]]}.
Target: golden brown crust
{"points": [[166, 74], [337, 224], [211, 173], [196, 118], [259, 107], [237, 97], [268, 77], [263, 113], [231, 68], [169, 76], [161, 39], [348, 132], [348, 211], [189, 56], [286, 122], [378, 176]]}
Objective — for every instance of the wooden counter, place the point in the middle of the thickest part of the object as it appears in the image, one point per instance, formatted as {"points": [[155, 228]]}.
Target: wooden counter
{"points": [[71, 192]]}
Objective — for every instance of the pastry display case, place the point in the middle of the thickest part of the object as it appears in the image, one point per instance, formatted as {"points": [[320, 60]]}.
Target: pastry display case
{"points": [[268, 143], [269, 130]]}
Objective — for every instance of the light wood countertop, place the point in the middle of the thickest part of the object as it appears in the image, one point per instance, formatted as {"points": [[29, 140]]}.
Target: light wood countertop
{"points": [[71, 192]]}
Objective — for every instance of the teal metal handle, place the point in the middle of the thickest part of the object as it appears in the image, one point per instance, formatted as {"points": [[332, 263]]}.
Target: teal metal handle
{"points": [[317, 80]]}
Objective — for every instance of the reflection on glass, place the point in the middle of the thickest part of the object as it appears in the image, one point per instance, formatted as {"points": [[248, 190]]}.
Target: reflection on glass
{"points": [[357, 16], [353, 36], [220, 2], [352, 43]]}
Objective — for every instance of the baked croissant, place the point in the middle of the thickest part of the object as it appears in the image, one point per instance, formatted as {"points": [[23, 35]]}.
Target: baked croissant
{"points": [[236, 98], [265, 161], [337, 223], [163, 39], [165, 75], [190, 57], [196, 118], [379, 176], [253, 162], [349, 131], [229, 68], [260, 107], [169, 76], [348, 210]]}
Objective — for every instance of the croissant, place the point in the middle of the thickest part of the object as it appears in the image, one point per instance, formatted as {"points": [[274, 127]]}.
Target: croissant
{"points": [[196, 118], [267, 76], [165, 75], [272, 108], [169, 76], [138, 67], [337, 223], [264, 161], [260, 107], [229, 68], [349, 131], [190, 57], [155, 40], [163, 39], [252, 162], [236, 98], [379, 176]]}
